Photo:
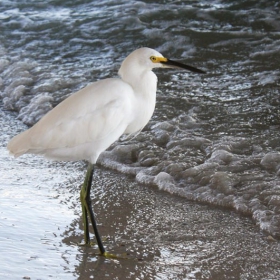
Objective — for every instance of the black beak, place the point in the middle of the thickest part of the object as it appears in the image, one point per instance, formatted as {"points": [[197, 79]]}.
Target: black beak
{"points": [[175, 64]]}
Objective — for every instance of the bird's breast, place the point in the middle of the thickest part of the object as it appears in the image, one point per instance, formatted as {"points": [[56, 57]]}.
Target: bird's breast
{"points": [[143, 110]]}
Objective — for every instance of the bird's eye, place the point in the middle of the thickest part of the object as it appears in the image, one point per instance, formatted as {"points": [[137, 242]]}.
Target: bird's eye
{"points": [[153, 59]]}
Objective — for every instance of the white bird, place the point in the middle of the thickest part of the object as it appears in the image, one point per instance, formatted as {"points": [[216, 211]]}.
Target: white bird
{"points": [[86, 123]]}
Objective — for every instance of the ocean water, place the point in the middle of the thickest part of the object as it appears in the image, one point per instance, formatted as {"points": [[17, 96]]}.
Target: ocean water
{"points": [[214, 138]]}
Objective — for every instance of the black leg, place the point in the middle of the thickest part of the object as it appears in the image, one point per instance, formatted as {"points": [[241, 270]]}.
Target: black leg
{"points": [[87, 209]]}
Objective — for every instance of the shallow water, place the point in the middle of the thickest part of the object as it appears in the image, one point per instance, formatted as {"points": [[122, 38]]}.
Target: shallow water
{"points": [[161, 236], [214, 138], [33, 216]]}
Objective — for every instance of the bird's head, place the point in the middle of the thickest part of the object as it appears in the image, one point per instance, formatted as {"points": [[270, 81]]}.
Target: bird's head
{"points": [[147, 59]]}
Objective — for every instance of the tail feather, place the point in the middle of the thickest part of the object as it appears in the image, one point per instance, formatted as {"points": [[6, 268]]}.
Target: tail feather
{"points": [[19, 144]]}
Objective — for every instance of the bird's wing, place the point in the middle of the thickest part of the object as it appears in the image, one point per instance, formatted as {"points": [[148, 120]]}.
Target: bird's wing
{"points": [[98, 112]]}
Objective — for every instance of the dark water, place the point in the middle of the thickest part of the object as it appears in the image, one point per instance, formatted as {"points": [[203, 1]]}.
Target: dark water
{"points": [[213, 138]]}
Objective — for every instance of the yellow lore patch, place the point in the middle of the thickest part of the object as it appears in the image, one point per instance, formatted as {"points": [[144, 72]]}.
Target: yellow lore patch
{"points": [[158, 59]]}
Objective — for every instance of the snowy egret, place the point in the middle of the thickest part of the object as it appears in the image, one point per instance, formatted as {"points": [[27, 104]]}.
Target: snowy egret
{"points": [[86, 123]]}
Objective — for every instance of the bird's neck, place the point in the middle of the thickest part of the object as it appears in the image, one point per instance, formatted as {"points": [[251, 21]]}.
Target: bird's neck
{"points": [[144, 87], [143, 83]]}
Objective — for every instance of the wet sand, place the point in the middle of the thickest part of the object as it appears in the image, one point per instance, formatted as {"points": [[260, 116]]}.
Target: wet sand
{"points": [[168, 237], [163, 236]]}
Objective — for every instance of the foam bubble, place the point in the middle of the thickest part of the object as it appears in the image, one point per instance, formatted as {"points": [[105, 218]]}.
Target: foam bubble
{"points": [[164, 181], [3, 63], [224, 182], [221, 157], [36, 109], [271, 161]]}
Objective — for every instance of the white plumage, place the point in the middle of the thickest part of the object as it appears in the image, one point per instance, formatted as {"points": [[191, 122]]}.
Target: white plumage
{"points": [[90, 120]]}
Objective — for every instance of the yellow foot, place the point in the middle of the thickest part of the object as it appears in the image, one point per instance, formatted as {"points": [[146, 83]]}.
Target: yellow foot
{"points": [[115, 256]]}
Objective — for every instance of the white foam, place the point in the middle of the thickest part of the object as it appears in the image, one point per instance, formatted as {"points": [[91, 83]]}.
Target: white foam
{"points": [[271, 161], [38, 107], [3, 63], [221, 157], [14, 96], [165, 182], [224, 182]]}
